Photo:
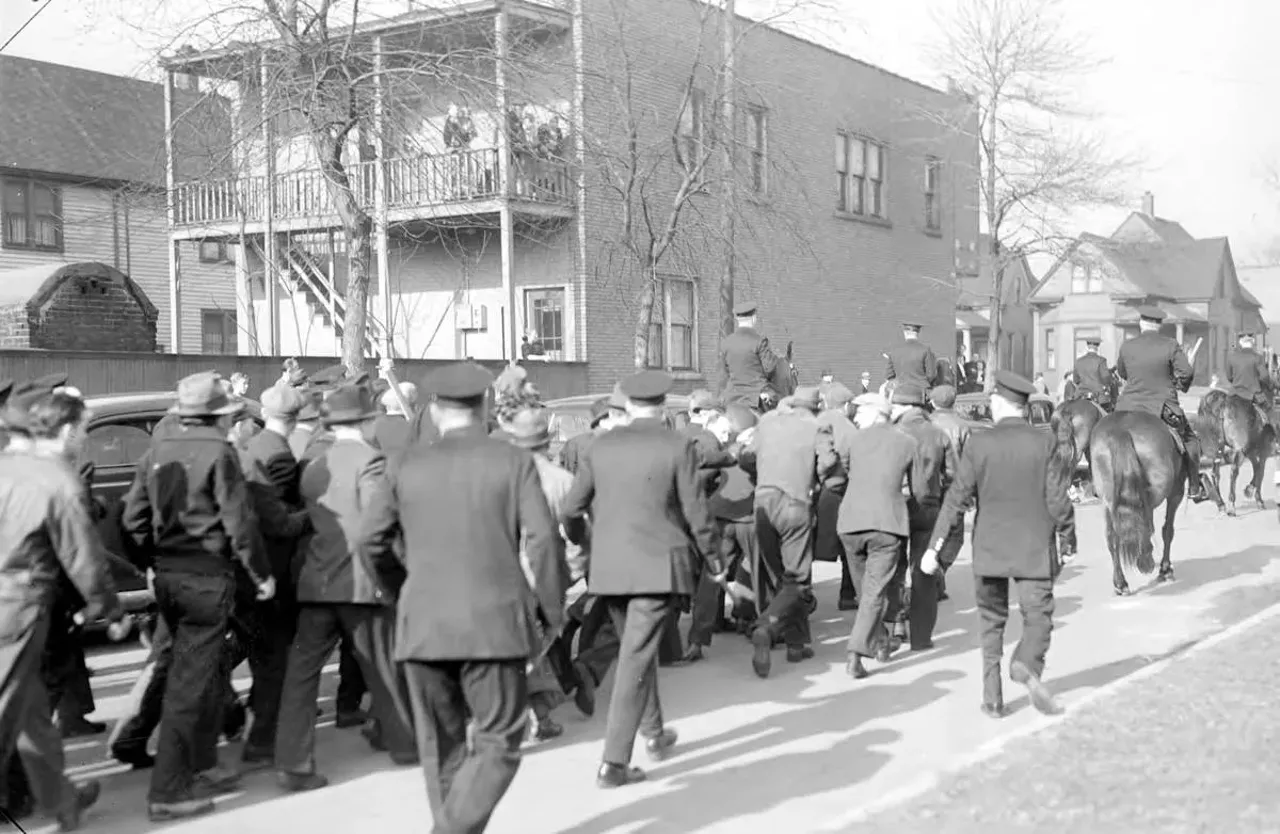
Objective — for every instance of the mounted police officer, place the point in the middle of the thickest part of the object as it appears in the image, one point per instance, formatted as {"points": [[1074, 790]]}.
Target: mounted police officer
{"points": [[749, 364], [1247, 375], [911, 361], [1154, 369], [1092, 376]]}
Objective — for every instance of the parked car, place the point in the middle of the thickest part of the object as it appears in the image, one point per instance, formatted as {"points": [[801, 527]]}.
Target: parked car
{"points": [[975, 409], [118, 433], [572, 416]]}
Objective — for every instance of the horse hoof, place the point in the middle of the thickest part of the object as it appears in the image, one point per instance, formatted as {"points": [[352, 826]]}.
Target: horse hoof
{"points": [[1122, 591], [1165, 577]]}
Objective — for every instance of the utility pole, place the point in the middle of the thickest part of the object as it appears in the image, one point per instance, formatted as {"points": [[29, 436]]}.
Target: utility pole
{"points": [[728, 146]]}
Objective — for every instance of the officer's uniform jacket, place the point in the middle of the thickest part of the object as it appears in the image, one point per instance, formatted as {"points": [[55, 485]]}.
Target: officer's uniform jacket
{"points": [[1092, 374], [1021, 500], [649, 524], [1155, 369], [1247, 375], [935, 467], [749, 365], [913, 362], [463, 504]]}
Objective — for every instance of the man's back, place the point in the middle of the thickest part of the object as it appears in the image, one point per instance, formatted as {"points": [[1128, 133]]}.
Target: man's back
{"points": [[1147, 364], [784, 450], [748, 362], [1247, 373], [1091, 373], [269, 461], [463, 503], [880, 458], [912, 362], [935, 461], [948, 421]]}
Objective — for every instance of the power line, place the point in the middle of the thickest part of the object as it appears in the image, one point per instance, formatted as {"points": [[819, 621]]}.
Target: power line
{"points": [[21, 28]]}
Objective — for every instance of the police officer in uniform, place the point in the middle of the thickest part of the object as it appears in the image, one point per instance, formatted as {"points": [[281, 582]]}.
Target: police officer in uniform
{"points": [[1092, 376], [1023, 495], [1154, 369], [911, 361], [1247, 375], [749, 364]]}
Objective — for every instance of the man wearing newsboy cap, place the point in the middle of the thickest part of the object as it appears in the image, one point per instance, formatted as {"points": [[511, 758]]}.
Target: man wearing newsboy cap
{"points": [[467, 626], [188, 515]]}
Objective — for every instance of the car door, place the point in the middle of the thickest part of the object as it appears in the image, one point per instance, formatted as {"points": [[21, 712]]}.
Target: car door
{"points": [[114, 448]]}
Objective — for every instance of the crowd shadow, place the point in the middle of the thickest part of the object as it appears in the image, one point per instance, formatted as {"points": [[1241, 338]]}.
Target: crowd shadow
{"points": [[1197, 573]]}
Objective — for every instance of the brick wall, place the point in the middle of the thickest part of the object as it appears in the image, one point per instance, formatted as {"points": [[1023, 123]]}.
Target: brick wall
{"points": [[838, 286], [86, 307], [14, 329]]}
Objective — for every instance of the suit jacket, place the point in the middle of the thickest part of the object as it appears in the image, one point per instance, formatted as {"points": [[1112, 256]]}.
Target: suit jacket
{"points": [[1154, 370], [833, 426], [272, 475], [337, 487], [648, 523], [1021, 501], [783, 453], [882, 457], [935, 467], [956, 429], [712, 457], [463, 504], [574, 449]]}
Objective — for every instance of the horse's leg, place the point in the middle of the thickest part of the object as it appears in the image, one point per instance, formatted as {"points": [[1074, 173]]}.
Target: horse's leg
{"points": [[1118, 582], [1166, 532], [1231, 487]]}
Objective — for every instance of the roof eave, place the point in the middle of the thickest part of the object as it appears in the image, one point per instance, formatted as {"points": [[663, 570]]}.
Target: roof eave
{"points": [[105, 183]]}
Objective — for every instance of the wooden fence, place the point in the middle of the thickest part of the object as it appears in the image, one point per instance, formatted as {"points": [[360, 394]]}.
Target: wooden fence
{"points": [[121, 373]]}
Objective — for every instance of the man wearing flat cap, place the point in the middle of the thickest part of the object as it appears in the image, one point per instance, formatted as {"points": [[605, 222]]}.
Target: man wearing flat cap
{"points": [[1011, 473], [1092, 376], [189, 516], [911, 360], [1247, 376], [783, 455], [649, 527], [834, 421], [1154, 369], [750, 367], [604, 416], [468, 627]]}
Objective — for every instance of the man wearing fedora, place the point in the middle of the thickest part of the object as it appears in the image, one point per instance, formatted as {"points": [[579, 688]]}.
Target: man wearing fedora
{"points": [[468, 627], [649, 525], [188, 515], [339, 593], [783, 455]]}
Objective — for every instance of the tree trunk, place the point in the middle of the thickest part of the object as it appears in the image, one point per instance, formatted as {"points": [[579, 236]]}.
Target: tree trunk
{"points": [[354, 321], [644, 317], [997, 262], [729, 202]]}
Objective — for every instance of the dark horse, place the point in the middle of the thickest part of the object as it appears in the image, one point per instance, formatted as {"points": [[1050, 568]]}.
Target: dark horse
{"points": [[1137, 465], [782, 383], [1232, 430], [1082, 415]]}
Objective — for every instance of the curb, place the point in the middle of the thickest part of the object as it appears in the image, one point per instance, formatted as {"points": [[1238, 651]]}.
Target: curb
{"points": [[994, 747]]}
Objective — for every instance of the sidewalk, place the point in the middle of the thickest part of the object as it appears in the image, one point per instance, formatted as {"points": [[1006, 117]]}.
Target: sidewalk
{"points": [[1192, 748]]}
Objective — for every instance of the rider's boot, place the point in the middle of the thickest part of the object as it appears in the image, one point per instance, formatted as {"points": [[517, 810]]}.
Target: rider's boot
{"points": [[1195, 484]]}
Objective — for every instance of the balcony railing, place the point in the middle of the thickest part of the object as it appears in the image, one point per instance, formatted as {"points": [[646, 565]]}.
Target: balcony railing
{"points": [[428, 181]]}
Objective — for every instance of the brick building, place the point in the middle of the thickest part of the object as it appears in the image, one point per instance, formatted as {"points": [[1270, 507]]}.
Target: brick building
{"points": [[857, 189], [81, 180], [84, 306]]}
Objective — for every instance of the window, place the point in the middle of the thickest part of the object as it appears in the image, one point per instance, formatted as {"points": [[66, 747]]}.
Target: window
{"points": [[860, 165], [758, 142], [1050, 351], [213, 252], [692, 129], [1085, 279], [1082, 335], [544, 315], [218, 332], [673, 334], [932, 188], [32, 216], [117, 444]]}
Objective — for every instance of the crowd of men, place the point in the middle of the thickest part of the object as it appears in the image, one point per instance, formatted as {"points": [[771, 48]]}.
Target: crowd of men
{"points": [[436, 548]]}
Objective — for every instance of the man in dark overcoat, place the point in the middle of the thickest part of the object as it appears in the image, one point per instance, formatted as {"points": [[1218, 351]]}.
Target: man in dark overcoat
{"points": [[1092, 375], [1154, 369], [1247, 375], [834, 421], [911, 360], [649, 525], [749, 366], [1022, 499], [467, 628]]}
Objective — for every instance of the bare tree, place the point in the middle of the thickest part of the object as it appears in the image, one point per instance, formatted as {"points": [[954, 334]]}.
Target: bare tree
{"points": [[671, 173], [1017, 62]]}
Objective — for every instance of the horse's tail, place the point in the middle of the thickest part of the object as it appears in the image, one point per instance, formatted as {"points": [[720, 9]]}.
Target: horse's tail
{"points": [[1065, 453], [1127, 511]]}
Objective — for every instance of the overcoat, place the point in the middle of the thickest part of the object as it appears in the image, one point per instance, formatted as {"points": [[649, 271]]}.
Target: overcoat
{"points": [[1154, 369]]}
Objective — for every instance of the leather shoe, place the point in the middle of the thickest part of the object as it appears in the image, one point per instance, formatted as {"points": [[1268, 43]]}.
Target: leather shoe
{"points": [[1041, 698], [796, 654], [297, 782], [762, 645], [659, 746], [584, 697], [613, 775], [86, 794], [855, 668]]}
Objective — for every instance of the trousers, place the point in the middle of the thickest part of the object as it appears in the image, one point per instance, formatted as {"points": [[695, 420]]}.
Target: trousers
{"points": [[876, 563], [1035, 600], [784, 529]]}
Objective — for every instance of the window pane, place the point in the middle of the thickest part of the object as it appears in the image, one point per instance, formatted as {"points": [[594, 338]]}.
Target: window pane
{"points": [[931, 176], [15, 229], [877, 204], [842, 154], [656, 346], [15, 198], [757, 130], [46, 231], [681, 294], [842, 192], [44, 200], [212, 332], [857, 156], [120, 444], [681, 346], [874, 153]]}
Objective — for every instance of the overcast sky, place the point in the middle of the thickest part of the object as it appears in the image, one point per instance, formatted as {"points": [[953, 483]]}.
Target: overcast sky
{"points": [[1191, 85]]}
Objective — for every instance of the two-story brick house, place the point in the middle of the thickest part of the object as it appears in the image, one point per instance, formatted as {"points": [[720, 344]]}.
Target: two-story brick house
{"points": [[82, 180], [490, 234]]}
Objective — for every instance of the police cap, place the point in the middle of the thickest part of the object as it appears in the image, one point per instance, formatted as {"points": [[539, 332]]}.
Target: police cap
{"points": [[912, 327], [1014, 387], [744, 309], [1244, 335], [1093, 341], [1151, 313], [647, 387], [943, 396], [463, 383]]}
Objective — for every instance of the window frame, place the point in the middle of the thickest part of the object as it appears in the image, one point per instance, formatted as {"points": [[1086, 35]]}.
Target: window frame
{"points": [[563, 289], [932, 194], [870, 191], [230, 331], [661, 330], [224, 251], [1050, 350], [29, 185], [693, 135]]}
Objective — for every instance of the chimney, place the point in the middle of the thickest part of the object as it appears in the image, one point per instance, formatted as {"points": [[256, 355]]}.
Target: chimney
{"points": [[1149, 204]]}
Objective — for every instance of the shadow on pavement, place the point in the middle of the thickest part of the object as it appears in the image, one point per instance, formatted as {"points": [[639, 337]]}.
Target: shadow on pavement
{"points": [[1196, 573]]}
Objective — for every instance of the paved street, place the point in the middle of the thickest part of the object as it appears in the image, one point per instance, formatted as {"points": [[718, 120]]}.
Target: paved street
{"points": [[807, 747]]}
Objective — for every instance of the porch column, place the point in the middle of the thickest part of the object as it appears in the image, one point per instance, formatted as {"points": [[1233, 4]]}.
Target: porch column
{"points": [[246, 330], [1180, 329], [332, 253], [171, 210], [380, 202], [271, 247], [500, 26], [966, 337]]}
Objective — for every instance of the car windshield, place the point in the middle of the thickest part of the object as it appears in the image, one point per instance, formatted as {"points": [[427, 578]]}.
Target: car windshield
{"points": [[977, 410], [1040, 412], [568, 424]]}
